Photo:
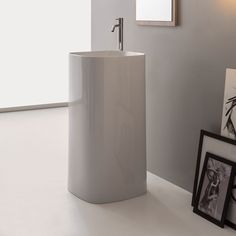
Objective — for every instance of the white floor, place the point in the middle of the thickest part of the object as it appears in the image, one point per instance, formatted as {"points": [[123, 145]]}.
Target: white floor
{"points": [[34, 200]]}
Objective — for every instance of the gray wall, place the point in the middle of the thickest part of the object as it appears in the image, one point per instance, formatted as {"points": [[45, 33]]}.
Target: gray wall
{"points": [[185, 75]]}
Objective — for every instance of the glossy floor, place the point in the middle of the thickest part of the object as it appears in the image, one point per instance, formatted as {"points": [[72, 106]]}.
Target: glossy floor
{"points": [[33, 190]]}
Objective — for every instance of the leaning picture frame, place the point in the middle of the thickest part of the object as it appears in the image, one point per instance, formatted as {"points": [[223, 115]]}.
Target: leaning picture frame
{"points": [[214, 189], [221, 146]]}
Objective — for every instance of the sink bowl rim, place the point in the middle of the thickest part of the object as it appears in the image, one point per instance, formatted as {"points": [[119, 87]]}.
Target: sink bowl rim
{"points": [[106, 54]]}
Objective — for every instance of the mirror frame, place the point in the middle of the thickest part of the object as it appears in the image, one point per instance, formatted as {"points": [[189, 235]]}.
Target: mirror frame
{"points": [[160, 23]]}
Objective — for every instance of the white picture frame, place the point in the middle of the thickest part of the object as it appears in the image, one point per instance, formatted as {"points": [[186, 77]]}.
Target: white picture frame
{"points": [[228, 125], [156, 12]]}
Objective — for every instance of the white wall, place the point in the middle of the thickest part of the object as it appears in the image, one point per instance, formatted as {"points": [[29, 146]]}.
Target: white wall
{"points": [[35, 39]]}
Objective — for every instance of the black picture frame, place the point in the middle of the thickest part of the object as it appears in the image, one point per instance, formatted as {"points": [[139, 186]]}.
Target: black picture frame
{"points": [[218, 138], [221, 221]]}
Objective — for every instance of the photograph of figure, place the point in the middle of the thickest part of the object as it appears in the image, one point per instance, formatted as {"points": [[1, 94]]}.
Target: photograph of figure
{"points": [[215, 188]]}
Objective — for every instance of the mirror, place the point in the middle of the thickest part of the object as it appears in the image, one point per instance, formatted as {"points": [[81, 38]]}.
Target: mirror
{"points": [[156, 12]]}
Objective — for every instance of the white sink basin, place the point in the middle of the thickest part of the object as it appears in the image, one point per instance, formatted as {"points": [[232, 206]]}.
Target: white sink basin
{"points": [[107, 139]]}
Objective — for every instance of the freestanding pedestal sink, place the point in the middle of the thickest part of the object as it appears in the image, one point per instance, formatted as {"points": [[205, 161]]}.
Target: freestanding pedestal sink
{"points": [[107, 134]]}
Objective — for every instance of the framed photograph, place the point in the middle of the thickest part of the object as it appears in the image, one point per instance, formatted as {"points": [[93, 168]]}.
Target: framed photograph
{"points": [[215, 188], [221, 146], [228, 125]]}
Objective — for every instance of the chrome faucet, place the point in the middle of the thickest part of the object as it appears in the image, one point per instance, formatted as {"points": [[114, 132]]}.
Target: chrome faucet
{"points": [[120, 25]]}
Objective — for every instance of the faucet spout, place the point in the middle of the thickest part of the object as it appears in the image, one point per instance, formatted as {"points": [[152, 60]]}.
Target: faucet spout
{"points": [[114, 27], [120, 25]]}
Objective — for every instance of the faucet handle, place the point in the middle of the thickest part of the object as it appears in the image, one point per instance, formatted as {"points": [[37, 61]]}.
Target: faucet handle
{"points": [[120, 19]]}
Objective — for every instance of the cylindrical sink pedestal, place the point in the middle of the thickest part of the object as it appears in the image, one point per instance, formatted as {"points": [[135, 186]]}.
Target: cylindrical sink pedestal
{"points": [[107, 134]]}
